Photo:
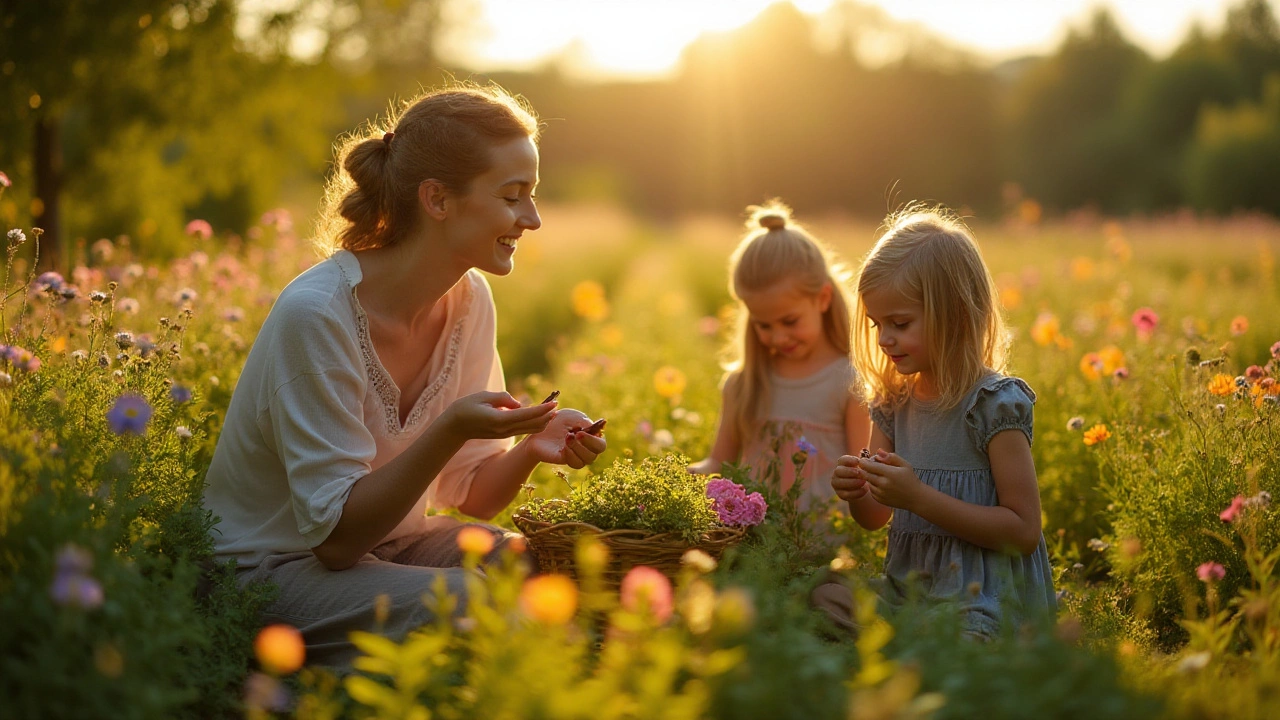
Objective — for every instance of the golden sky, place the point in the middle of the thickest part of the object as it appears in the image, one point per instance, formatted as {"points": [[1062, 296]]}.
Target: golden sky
{"points": [[643, 38]]}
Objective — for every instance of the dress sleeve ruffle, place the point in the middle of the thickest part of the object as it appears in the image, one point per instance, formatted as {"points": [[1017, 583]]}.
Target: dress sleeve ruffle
{"points": [[1001, 403]]}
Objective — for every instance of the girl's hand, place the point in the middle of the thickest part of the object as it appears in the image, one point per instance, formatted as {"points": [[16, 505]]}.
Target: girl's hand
{"points": [[891, 480], [564, 441], [488, 415], [848, 480], [705, 467]]}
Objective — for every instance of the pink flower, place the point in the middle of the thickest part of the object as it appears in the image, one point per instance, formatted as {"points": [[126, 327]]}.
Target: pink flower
{"points": [[1210, 572], [200, 228], [734, 506], [1229, 515], [1275, 350], [1254, 373], [753, 512], [646, 589], [1239, 325], [4, 180], [720, 488], [1145, 320]]}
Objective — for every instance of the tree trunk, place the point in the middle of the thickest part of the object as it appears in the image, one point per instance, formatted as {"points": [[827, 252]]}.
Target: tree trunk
{"points": [[48, 162]]}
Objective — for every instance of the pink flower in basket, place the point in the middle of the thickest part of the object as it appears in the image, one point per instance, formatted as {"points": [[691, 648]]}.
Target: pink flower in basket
{"points": [[734, 506]]}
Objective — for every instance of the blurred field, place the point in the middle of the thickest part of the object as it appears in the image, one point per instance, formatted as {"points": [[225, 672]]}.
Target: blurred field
{"points": [[628, 318]]}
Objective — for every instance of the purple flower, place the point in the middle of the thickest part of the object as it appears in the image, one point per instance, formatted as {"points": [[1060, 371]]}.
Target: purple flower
{"points": [[20, 358], [72, 585], [179, 394], [49, 280], [129, 415], [805, 446]]}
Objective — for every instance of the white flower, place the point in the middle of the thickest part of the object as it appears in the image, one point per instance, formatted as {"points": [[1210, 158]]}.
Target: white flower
{"points": [[663, 438], [124, 339], [182, 432], [16, 237], [5, 380]]}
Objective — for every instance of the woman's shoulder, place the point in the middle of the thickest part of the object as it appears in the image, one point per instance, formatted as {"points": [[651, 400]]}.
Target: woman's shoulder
{"points": [[319, 296]]}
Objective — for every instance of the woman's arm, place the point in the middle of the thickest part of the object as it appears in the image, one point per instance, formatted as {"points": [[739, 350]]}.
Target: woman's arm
{"points": [[379, 500], [500, 478], [727, 446], [1011, 526]]}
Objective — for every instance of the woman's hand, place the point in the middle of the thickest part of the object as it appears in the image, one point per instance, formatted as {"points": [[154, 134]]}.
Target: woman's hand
{"points": [[487, 415], [564, 442], [848, 480], [891, 480]]}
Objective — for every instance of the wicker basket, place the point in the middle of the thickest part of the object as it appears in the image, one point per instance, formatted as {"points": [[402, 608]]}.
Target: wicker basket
{"points": [[554, 544]]}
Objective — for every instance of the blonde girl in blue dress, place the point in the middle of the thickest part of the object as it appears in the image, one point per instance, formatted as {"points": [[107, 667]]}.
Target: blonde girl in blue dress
{"points": [[951, 466]]}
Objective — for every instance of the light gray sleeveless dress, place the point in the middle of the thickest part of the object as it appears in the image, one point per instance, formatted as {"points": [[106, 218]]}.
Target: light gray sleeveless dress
{"points": [[948, 450]]}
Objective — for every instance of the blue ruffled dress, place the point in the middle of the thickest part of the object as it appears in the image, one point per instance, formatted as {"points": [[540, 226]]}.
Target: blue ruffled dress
{"points": [[948, 450]]}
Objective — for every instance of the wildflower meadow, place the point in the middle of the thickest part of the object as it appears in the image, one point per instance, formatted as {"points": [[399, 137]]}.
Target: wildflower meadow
{"points": [[1153, 347]]}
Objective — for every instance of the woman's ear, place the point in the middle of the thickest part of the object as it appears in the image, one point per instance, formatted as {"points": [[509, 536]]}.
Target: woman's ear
{"points": [[433, 197], [824, 297]]}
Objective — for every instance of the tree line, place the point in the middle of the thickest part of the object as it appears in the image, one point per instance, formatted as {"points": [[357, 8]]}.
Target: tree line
{"points": [[137, 115]]}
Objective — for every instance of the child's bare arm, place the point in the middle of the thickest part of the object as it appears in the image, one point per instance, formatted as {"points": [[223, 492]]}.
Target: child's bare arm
{"points": [[726, 446], [850, 484], [1013, 525]]}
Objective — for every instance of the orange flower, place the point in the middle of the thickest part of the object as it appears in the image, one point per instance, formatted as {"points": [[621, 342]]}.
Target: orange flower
{"points": [[1046, 329], [549, 599], [1096, 434], [1112, 359], [280, 649], [1082, 268], [1222, 384], [669, 381], [1239, 325], [1091, 365], [1010, 297], [475, 540]]}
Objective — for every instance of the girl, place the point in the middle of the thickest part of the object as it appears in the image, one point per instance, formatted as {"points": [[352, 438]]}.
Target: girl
{"points": [[789, 385], [374, 390], [953, 465]]}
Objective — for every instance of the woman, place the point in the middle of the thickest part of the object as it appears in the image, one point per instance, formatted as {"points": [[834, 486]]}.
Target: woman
{"points": [[374, 390]]}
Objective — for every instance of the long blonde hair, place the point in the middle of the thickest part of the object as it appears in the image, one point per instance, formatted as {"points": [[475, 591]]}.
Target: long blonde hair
{"points": [[775, 249], [930, 256], [444, 134]]}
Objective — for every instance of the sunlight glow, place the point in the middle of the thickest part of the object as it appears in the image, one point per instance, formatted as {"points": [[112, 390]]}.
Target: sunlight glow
{"points": [[613, 38]]}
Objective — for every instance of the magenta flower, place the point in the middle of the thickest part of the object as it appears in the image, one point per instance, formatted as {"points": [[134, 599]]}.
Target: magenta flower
{"points": [[734, 506], [4, 180], [1210, 572], [200, 229], [1233, 510], [129, 415], [1145, 320]]}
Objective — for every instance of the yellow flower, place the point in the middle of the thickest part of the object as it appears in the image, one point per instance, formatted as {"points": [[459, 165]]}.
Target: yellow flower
{"points": [[611, 336], [279, 649], [1096, 434], [1112, 358], [1222, 384], [549, 599], [669, 381], [1091, 365], [475, 540], [589, 301], [1046, 329]]}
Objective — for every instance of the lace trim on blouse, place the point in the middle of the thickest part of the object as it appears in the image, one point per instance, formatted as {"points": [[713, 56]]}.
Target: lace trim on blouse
{"points": [[386, 388]]}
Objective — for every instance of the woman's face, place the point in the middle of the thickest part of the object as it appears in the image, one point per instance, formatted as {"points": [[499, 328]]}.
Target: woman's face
{"points": [[483, 227]]}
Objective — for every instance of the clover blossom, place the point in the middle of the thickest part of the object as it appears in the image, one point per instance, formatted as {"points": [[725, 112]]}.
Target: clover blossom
{"points": [[1210, 572]]}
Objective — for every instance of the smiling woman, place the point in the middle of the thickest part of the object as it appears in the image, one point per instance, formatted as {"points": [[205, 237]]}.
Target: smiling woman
{"points": [[374, 391]]}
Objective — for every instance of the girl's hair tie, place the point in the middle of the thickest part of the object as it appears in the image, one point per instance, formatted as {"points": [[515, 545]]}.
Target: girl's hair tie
{"points": [[772, 221], [386, 138]]}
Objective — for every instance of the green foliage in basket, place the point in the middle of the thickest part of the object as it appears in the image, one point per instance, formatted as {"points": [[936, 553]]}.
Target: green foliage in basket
{"points": [[657, 494]]}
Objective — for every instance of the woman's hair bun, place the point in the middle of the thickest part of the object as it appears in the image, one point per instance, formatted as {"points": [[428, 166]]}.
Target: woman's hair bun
{"points": [[772, 221]]}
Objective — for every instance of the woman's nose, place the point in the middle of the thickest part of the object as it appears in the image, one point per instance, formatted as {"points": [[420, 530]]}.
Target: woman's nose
{"points": [[529, 219]]}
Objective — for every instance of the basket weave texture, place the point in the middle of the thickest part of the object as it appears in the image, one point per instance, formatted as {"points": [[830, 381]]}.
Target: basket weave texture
{"points": [[555, 545]]}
